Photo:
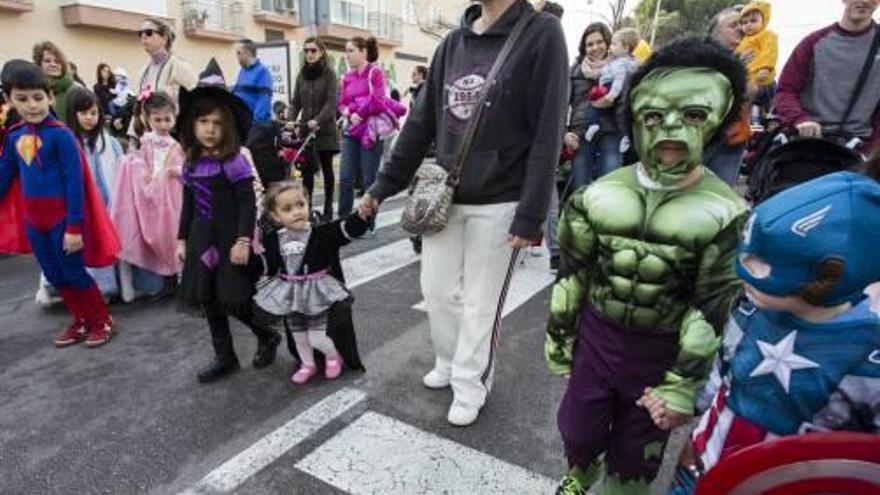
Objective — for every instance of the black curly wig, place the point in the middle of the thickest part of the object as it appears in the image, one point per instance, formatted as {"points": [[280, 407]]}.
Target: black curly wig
{"points": [[696, 52]]}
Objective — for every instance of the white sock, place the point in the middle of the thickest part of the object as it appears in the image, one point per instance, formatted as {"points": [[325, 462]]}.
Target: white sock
{"points": [[306, 353], [591, 132], [319, 340], [126, 282]]}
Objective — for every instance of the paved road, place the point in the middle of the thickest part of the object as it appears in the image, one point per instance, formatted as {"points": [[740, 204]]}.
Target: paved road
{"points": [[130, 418]]}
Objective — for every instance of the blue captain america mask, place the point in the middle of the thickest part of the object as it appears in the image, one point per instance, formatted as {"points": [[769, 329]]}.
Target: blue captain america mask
{"points": [[793, 234]]}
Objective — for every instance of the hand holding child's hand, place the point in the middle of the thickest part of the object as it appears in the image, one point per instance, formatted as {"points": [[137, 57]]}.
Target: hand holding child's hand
{"points": [[180, 251], [764, 76], [240, 253], [73, 243], [367, 207], [663, 417]]}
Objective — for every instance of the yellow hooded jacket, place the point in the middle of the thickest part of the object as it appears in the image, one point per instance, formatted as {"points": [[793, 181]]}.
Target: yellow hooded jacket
{"points": [[764, 44]]}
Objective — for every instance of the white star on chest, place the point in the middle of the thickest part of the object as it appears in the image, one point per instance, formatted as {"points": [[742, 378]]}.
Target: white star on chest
{"points": [[781, 360]]}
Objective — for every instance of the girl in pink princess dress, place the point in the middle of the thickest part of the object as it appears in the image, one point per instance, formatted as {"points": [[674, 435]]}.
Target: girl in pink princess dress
{"points": [[148, 200]]}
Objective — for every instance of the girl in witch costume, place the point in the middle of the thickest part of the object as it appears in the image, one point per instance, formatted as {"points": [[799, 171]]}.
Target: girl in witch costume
{"points": [[217, 220], [309, 293], [49, 205]]}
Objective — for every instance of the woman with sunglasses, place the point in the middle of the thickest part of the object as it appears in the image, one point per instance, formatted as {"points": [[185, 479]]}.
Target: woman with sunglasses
{"points": [[164, 72], [314, 104]]}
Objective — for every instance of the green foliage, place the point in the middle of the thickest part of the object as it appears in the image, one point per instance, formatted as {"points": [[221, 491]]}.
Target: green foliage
{"points": [[678, 17]]}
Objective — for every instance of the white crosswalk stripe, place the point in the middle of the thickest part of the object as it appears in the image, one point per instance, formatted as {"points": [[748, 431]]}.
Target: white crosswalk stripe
{"points": [[378, 455]]}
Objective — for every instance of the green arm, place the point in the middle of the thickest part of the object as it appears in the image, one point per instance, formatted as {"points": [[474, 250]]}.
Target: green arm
{"points": [[701, 327], [577, 244]]}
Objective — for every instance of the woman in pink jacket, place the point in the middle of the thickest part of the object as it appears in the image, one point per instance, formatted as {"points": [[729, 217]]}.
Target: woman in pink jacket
{"points": [[369, 115]]}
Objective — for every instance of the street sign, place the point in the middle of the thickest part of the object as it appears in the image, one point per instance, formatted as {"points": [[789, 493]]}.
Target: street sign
{"points": [[276, 56]]}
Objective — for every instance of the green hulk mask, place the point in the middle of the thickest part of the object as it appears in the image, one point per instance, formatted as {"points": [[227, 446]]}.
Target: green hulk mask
{"points": [[676, 112]]}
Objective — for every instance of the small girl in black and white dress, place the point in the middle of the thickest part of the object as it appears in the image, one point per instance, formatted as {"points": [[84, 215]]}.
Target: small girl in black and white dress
{"points": [[308, 293]]}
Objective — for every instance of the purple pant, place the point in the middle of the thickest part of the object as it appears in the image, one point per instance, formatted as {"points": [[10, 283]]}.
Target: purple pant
{"points": [[612, 366]]}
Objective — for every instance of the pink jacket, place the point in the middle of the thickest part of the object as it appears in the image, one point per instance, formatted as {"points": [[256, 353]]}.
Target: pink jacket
{"points": [[363, 93]]}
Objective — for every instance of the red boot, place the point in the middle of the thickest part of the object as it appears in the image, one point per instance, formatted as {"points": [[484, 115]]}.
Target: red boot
{"points": [[76, 331], [99, 325]]}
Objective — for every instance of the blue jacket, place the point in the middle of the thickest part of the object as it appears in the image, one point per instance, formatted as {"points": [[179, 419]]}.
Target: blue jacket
{"points": [[254, 86]]}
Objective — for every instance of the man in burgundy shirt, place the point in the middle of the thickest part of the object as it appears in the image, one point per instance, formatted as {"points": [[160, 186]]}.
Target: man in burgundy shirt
{"points": [[820, 77]]}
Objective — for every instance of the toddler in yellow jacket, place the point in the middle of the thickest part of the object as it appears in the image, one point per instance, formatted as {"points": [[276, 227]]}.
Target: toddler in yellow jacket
{"points": [[763, 47]]}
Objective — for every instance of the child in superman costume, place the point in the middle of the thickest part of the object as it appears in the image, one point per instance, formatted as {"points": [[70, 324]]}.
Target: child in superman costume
{"points": [[50, 206]]}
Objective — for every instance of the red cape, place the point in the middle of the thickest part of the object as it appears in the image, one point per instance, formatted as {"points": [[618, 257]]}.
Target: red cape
{"points": [[100, 242]]}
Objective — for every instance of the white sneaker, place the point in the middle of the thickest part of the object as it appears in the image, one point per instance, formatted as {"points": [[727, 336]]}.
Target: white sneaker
{"points": [[45, 298], [435, 380], [461, 414]]}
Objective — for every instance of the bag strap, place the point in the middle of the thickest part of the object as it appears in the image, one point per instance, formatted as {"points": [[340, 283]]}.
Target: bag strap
{"points": [[863, 76], [467, 142]]}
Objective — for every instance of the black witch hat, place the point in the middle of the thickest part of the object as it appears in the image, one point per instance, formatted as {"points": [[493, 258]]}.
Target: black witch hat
{"points": [[213, 85]]}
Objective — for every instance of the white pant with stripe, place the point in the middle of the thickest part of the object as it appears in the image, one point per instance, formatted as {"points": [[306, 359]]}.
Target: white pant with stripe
{"points": [[463, 270]]}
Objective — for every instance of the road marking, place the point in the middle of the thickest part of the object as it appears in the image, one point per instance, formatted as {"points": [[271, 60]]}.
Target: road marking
{"points": [[530, 277], [375, 263], [268, 449], [378, 455], [388, 218]]}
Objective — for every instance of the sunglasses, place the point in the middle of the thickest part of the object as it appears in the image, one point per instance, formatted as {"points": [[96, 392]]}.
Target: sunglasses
{"points": [[311, 50], [148, 32]]}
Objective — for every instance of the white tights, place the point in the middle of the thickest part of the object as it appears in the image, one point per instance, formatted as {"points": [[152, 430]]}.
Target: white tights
{"points": [[306, 342]]}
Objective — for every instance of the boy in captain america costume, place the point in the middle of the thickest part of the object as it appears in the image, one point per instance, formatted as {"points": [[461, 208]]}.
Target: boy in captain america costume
{"points": [[647, 274], [50, 206], [801, 351]]}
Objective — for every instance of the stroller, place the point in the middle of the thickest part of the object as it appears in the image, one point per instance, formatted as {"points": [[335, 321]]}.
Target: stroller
{"points": [[787, 161], [298, 152]]}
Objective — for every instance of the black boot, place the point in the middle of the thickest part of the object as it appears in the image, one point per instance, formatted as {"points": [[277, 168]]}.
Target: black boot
{"points": [[266, 350], [327, 213], [267, 339], [218, 368], [225, 362]]}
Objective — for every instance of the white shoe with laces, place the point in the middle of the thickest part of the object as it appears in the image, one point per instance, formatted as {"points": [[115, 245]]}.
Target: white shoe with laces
{"points": [[461, 414]]}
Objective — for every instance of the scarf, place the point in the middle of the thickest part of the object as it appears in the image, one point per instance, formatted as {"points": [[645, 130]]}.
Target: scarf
{"points": [[314, 71], [591, 69], [61, 85]]}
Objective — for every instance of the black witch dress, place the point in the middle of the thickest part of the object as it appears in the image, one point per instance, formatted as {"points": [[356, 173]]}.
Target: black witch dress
{"points": [[219, 206]]}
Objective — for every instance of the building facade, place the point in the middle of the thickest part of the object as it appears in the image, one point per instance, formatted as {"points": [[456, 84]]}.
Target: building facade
{"points": [[95, 31]]}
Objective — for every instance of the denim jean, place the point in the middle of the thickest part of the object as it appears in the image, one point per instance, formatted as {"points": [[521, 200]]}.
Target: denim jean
{"points": [[357, 161], [725, 160], [595, 159]]}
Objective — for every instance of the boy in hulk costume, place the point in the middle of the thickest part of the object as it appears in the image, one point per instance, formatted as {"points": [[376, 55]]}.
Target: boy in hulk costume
{"points": [[647, 273]]}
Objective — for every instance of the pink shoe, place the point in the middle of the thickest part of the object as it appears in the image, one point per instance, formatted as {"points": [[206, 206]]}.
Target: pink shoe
{"points": [[333, 368], [304, 374]]}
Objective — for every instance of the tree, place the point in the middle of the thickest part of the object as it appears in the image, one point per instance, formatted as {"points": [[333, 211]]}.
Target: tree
{"points": [[617, 7], [678, 17]]}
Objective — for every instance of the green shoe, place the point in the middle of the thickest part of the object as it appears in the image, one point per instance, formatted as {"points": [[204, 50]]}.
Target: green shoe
{"points": [[571, 485]]}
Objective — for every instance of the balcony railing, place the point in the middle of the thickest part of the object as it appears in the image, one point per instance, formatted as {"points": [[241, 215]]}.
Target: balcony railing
{"points": [[386, 26], [283, 7], [348, 13], [220, 19]]}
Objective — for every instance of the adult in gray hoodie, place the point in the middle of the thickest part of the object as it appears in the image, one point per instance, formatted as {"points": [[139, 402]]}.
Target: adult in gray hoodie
{"points": [[501, 201]]}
